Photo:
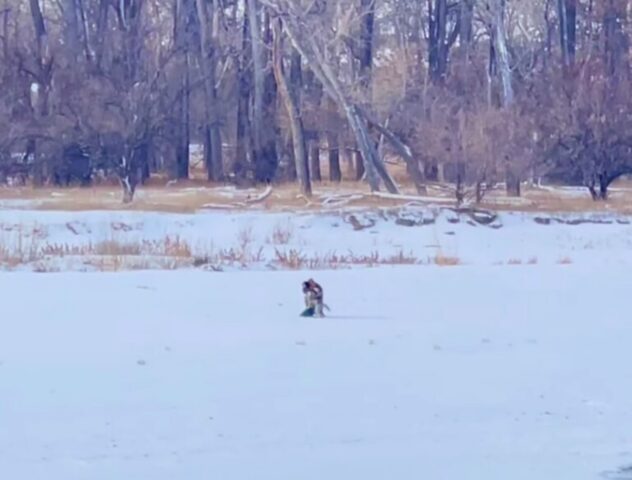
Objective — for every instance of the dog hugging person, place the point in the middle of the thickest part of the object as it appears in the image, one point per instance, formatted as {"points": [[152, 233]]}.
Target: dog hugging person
{"points": [[314, 304]]}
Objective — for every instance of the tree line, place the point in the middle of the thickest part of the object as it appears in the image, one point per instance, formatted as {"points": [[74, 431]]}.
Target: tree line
{"points": [[473, 93]]}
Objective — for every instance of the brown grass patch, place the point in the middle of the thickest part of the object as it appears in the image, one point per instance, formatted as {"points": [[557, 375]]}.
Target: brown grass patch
{"points": [[193, 195], [446, 260], [293, 259], [564, 261]]}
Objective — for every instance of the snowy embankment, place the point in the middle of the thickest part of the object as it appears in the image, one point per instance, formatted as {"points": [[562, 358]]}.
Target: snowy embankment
{"points": [[456, 373], [50, 241]]}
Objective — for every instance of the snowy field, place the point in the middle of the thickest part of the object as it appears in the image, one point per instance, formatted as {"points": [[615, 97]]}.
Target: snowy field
{"points": [[88, 241], [475, 372]]}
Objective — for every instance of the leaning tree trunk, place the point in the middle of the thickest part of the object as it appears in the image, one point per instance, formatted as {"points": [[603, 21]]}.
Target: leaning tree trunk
{"points": [[294, 115], [375, 168], [413, 167], [313, 55]]}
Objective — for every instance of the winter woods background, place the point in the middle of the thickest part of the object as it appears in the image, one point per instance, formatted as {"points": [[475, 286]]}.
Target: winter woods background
{"points": [[475, 93]]}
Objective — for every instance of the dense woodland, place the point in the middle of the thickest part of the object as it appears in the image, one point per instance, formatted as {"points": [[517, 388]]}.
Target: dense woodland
{"points": [[478, 94]]}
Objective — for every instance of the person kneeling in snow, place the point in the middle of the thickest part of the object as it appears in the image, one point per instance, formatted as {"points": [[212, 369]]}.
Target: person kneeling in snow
{"points": [[313, 299]]}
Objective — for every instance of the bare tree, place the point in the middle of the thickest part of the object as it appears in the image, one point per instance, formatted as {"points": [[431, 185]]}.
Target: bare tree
{"points": [[291, 105]]}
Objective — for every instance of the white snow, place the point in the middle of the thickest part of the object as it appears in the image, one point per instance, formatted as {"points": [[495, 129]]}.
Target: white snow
{"points": [[513, 238], [420, 372]]}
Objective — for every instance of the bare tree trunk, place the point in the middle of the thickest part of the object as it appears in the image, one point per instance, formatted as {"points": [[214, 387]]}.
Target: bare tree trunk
{"points": [[85, 32], [244, 150], [440, 40], [603, 187], [437, 54], [412, 164], [615, 37], [184, 135], [360, 171], [5, 31], [268, 162], [182, 39], [127, 177], [500, 60], [366, 43], [254, 14], [40, 89], [466, 25], [365, 59], [314, 159], [295, 87], [296, 123], [567, 15], [212, 137], [263, 132], [71, 29], [333, 144], [102, 28], [502, 53], [513, 182], [313, 55]]}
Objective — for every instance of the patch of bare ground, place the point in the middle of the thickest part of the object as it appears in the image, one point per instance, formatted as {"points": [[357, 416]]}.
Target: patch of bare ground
{"points": [[194, 195]]}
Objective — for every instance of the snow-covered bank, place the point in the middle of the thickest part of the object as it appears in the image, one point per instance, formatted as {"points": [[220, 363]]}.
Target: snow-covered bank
{"points": [[46, 241], [481, 372]]}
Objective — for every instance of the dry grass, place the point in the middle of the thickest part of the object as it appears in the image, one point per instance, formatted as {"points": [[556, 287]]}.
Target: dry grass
{"points": [[193, 195], [293, 259], [245, 237], [532, 261], [514, 261], [564, 261], [230, 257], [116, 263], [109, 255], [445, 260], [169, 246], [282, 234]]}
